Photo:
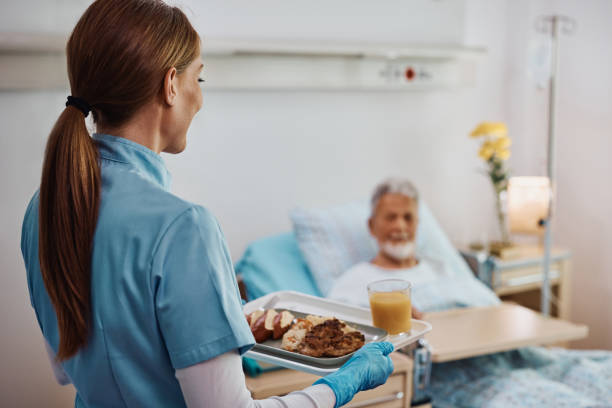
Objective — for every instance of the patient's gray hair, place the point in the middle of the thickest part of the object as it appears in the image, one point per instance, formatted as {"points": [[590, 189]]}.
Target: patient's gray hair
{"points": [[394, 186]]}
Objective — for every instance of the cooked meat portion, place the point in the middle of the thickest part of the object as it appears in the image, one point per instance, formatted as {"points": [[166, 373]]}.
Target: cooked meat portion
{"points": [[330, 339], [315, 336], [295, 335]]}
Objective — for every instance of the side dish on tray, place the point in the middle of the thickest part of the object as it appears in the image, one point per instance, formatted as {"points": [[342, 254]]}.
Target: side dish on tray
{"points": [[266, 324], [314, 336]]}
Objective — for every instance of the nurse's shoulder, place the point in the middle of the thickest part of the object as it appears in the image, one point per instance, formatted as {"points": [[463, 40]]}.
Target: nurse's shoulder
{"points": [[134, 202]]}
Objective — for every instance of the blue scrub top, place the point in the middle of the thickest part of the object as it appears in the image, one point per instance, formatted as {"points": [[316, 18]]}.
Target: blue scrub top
{"points": [[163, 290]]}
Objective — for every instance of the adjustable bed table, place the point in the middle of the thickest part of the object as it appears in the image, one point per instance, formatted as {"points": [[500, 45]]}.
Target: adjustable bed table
{"points": [[470, 332]]}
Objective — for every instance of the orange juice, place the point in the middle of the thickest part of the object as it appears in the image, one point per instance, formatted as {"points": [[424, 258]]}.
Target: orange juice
{"points": [[391, 311]]}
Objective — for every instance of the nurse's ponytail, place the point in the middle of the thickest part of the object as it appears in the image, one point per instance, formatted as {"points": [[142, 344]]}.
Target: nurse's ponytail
{"points": [[69, 201], [117, 57]]}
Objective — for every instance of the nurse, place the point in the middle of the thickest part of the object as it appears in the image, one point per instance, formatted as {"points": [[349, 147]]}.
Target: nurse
{"points": [[133, 287]]}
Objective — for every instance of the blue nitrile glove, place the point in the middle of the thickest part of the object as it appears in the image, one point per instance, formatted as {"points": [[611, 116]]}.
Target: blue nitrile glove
{"points": [[368, 368]]}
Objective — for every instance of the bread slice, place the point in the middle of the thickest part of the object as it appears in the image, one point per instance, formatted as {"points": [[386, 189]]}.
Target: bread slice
{"points": [[269, 323], [259, 330], [282, 323], [254, 316]]}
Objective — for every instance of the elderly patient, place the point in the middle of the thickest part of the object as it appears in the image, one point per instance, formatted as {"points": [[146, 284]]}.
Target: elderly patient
{"points": [[531, 377], [393, 223]]}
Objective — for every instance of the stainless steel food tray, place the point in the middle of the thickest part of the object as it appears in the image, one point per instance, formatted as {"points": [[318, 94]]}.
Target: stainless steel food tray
{"points": [[273, 347], [355, 316]]}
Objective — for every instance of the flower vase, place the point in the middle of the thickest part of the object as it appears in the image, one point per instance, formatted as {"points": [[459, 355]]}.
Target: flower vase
{"points": [[500, 206]]}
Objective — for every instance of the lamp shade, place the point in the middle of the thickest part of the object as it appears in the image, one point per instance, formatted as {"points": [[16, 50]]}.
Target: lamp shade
{"points": [[528, 201]]}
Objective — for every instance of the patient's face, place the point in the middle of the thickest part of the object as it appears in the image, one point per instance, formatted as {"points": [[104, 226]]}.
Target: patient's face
{"points": [[395, 219]]}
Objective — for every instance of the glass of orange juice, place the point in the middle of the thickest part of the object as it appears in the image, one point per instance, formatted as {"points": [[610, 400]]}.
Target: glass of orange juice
{"points": [[390, 305]]}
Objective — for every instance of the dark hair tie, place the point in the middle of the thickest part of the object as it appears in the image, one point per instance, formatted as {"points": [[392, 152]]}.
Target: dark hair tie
{"points": [[79, 103]]}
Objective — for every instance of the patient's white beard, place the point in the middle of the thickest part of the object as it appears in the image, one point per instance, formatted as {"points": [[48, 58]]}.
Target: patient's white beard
{"points": [[399, 252]]}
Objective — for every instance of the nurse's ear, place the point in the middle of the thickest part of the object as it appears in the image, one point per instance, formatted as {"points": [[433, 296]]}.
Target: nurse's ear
{"points": [[170, 87]]}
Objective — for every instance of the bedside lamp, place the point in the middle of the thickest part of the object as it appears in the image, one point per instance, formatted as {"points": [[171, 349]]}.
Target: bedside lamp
{"points": [[528, 201]]}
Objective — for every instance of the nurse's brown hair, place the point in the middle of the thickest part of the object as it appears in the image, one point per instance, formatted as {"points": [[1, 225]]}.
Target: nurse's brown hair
{"points": [[118, 55]]}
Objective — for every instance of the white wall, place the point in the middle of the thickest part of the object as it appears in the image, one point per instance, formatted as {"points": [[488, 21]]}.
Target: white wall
{"points": [[252, 156], [252, 165], [55, 16], [583, 136], [27, 380], [583, 145], [584, 166], [386, 20], [275, 150]]}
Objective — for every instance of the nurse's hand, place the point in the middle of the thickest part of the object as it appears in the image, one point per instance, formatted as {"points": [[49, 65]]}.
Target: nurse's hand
{"points": [[368, 368]]}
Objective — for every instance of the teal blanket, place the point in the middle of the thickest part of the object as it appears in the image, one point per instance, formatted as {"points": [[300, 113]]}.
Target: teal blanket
{"points": [[533, 377], [529, 377]]}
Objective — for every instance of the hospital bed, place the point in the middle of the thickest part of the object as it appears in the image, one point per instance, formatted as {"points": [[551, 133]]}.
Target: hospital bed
{"points": [[481, 326]]}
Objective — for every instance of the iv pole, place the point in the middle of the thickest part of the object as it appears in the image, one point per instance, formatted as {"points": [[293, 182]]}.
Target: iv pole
{"points": [[553, 24]]}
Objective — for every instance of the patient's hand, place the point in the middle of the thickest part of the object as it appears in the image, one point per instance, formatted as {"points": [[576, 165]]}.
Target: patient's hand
{"points": [[416, 313]]}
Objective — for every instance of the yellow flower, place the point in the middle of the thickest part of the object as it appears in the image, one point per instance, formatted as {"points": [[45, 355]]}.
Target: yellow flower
{"points": [[497, 129], [486, 152], [502, 143], [503, 154]]}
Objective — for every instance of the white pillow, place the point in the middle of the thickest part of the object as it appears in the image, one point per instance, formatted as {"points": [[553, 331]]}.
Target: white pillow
{"points": [[333, 239]]}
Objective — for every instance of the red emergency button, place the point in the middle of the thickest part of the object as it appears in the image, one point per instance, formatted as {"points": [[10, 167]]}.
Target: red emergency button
{"points": [[410, 74]]}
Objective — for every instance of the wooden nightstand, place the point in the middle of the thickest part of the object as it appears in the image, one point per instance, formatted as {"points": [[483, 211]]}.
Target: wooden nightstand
{"points": [[519, 280], [395, 393]]}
